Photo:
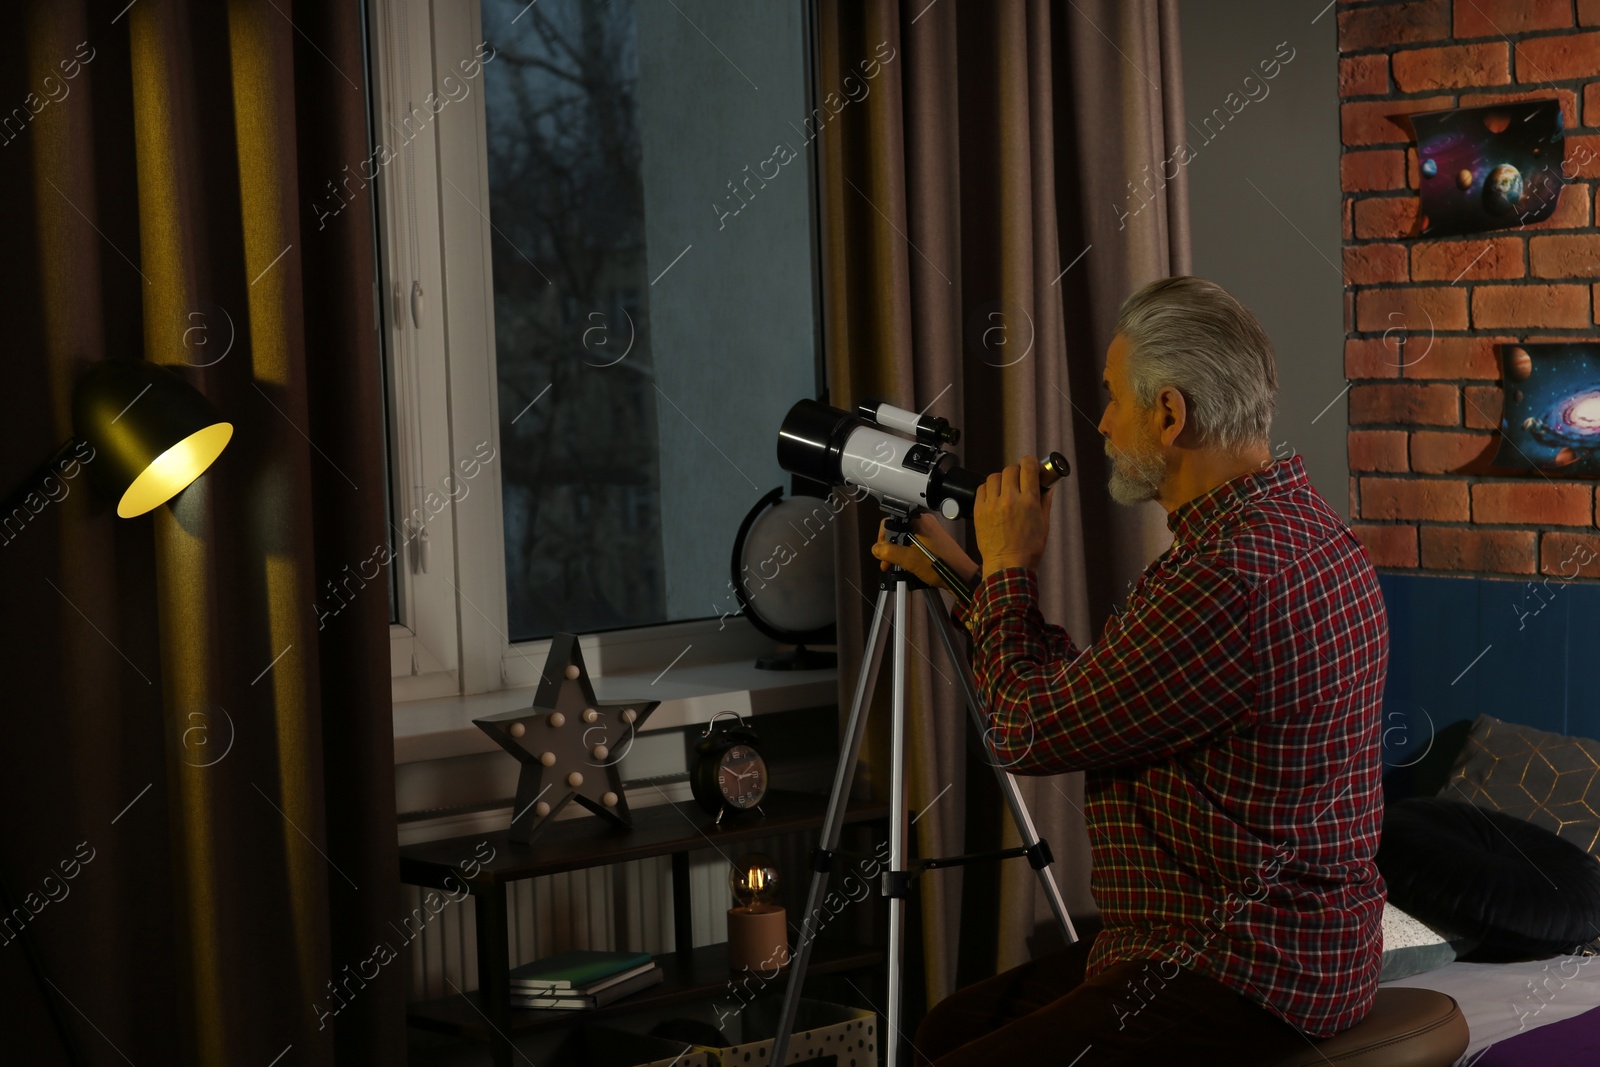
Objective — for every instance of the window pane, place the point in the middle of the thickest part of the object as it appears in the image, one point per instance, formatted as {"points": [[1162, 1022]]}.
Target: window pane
{"points": [[653, 296]]}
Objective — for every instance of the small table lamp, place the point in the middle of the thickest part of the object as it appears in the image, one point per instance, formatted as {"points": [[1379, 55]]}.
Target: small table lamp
{"points": [[152, 434], [758, 929]]}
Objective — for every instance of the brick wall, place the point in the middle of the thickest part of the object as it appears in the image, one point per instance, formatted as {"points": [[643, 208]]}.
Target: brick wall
{"points": [[1423, 495]]}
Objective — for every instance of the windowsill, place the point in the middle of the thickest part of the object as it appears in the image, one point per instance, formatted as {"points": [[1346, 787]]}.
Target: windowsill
{"points": [[442, 727]]}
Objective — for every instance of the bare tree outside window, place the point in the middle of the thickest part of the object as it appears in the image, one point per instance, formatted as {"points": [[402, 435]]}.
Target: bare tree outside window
{"points": [[581, 472]]}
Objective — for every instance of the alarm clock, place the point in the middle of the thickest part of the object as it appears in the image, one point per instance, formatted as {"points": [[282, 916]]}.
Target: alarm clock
{"points": [[728, 773]]}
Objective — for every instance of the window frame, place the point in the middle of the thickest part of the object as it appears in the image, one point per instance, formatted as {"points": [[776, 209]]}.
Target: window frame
{"points": [[452, 640]]}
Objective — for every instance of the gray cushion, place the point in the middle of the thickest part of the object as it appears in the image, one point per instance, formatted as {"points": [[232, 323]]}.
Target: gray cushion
{"points": [[1411, 946]]}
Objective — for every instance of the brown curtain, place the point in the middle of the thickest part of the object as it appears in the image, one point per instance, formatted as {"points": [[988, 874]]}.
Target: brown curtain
{"points": [[979, 164], [176, 714]]}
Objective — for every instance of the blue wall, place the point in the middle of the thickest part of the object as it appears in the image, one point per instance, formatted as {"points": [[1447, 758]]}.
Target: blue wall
{"points": [[1539, 644]]}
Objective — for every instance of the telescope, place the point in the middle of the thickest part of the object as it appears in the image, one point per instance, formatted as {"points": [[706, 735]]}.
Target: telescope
{"points": [[903, 473], [897, 456]]}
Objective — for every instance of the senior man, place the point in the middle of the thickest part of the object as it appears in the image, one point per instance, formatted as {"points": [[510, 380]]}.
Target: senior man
{"points": [[1227, 721]]}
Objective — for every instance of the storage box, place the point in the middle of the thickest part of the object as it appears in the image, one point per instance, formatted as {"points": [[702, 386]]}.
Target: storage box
{"points": [[602, 1046], [823, 1033]]}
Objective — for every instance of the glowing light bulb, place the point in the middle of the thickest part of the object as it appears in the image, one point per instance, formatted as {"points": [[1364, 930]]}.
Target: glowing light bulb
{"points": [[172, 471], [754, 881]]}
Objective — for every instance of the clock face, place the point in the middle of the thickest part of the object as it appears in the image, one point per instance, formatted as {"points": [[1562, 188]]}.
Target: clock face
{"points": [[742, 777]]}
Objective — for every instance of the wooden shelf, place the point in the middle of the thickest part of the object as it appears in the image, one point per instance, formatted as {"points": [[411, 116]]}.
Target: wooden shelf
{"points": [[694, 975], [576, 844]]}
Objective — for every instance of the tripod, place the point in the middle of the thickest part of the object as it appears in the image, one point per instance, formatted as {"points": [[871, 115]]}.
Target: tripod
{"points": [[896, 882]]}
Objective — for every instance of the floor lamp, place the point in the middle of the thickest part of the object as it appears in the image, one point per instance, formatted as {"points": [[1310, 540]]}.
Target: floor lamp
{"points": [[150, 434]]}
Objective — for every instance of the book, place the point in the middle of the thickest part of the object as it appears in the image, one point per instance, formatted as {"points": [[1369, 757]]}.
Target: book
{"points": [[530, 987], [652, 975], [577, 968]]}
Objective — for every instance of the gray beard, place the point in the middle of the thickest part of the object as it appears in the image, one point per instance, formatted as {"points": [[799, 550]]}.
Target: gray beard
{"points": [[1135, 476]]}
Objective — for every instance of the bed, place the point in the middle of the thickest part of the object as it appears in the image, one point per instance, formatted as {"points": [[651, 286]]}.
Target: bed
{"points": [[1544, 1012], [1539, 1007]]}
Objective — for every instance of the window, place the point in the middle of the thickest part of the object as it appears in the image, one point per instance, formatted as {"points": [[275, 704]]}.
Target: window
{"points": [[566, 197], [599, 300]]}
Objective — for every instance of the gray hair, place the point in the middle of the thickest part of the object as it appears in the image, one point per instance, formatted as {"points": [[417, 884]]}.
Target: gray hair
{"points": [[1193, 335]]}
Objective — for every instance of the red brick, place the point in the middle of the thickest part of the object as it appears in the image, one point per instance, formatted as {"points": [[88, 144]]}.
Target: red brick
{"points": [[1413, 174], [1435, 452], [1591, 104], [1417, 310], [1460, 66], [1480, 406], [1451, 357], [1539, 503], [1435, 499], [1597, 296], [1371, 264], [1386, 216], [1448, 548], [1589, 12], [1558, 58], [1565, 256], [1364, 75], [1407, 403], [1568, 98], [1380, 27], [1388, 546], [1373, 357], [1469, 260], [1365, 171], [1376, 450], [1570, 555], [1369, 122], [1583, 155], [1571, 213], [1547, 306], [1494, 18], [1349, 311], [1349, 222]]}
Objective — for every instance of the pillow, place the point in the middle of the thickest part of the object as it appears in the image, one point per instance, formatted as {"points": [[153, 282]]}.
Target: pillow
{"points": [[1548, 779], [1496, 879], [1411, 946]]}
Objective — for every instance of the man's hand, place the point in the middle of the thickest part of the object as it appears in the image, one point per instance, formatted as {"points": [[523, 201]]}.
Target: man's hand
{"points": [[940, 543], [1011, 519]]}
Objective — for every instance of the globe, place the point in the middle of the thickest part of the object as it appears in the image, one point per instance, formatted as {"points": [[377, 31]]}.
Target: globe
{"points": [[783, 575]]}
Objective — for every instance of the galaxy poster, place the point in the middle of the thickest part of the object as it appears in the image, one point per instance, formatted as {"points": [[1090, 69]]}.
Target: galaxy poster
{"points": [[1551, 419], [1489, 168]]}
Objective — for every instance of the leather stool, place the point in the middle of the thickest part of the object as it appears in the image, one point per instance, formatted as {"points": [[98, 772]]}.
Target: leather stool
{"points": [[1405, 1028]]}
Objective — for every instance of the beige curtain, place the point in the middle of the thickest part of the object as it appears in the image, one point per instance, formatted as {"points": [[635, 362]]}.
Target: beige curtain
{"points": [[179, 716], [984, 212]]}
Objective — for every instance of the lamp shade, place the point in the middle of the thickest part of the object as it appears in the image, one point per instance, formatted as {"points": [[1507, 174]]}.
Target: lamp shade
{"points": [[152, 432]]}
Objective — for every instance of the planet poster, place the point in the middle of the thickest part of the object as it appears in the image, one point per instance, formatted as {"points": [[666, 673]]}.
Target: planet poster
{"points": [[1551, 418], [1489, 168]]}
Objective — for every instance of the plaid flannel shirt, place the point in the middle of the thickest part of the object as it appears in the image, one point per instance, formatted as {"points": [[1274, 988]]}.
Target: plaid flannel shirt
{"points": [[1229, 723]]}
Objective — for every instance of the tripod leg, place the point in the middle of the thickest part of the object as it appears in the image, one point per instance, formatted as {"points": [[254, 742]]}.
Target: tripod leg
{"points": [[833, 824], [1008, 784], [897, 822]]}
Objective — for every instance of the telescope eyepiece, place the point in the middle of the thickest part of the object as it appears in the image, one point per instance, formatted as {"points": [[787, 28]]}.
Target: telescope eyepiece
{"points": [[1054, 468]]}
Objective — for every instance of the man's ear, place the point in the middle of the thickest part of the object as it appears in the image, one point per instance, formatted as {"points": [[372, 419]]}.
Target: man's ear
{"points": [[1171, 414]]}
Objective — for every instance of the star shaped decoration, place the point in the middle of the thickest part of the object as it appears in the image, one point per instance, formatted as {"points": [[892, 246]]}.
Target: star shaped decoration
{"points": [[569, 744]]}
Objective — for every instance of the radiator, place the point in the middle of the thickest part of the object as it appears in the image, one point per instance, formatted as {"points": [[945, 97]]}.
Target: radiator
{"points": [[624, 906]]}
